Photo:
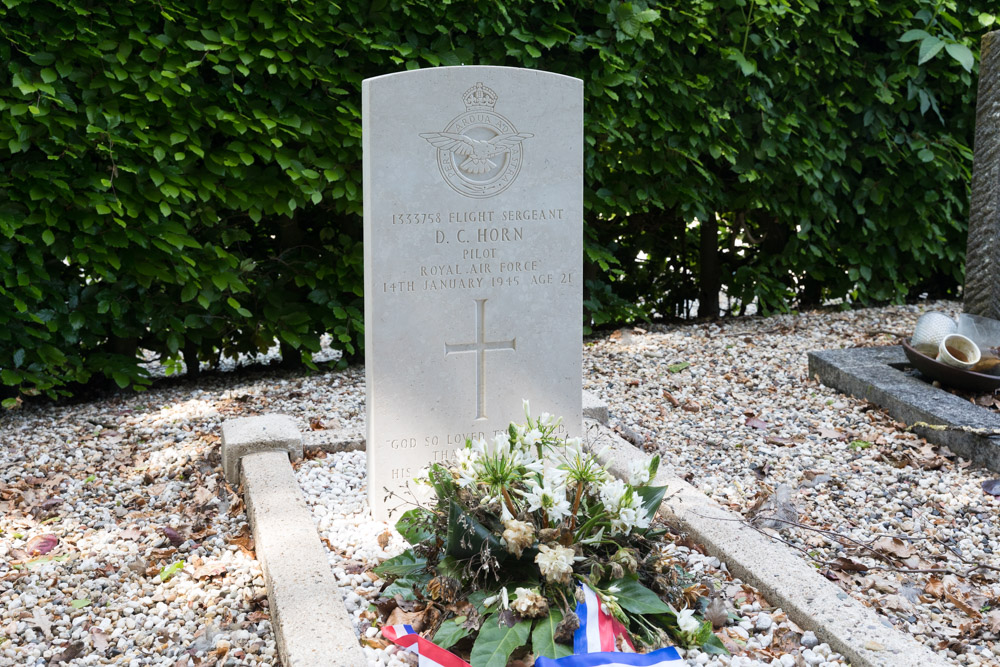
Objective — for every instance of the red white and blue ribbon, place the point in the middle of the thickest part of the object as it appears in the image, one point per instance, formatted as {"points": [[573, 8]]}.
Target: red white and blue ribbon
{"points": [[431, 655], [594, 642]]}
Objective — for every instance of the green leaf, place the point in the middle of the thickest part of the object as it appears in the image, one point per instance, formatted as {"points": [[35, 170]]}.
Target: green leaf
{"points": [[416, 525], [677, 368], [48, 75], [80, 603], [636, 598], [157, 176], [651, 496], [404, 586], [450, 632], [496, 642], [929, 48], [713, 645], [48, 237], [44, 58], [466, 535], [170, 570], [543, 637], [402, 565], [962, 54], [914, 35]]}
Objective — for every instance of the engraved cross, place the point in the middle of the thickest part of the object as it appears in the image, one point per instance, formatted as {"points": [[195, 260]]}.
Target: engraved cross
{"points": [[481, 346]]}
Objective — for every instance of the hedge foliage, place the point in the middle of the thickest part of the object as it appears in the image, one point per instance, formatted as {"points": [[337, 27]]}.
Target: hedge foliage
{"points": [[185, 177]]}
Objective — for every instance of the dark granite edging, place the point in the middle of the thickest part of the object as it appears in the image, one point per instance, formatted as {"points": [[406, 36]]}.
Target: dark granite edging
{"points": [[869, 373]]}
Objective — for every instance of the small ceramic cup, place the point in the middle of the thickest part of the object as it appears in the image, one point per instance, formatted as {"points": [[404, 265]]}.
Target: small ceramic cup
{"points": [[931, 329], [958, 351]]}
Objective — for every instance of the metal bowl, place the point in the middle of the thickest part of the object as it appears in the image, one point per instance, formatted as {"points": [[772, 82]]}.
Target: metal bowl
{"points": [[949, 375]]}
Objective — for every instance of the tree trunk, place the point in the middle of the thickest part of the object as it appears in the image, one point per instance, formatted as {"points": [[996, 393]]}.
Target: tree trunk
{"points": [[709, 278]]}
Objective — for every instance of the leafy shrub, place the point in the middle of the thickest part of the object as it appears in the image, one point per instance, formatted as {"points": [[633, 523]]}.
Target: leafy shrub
{"points": [[186, 178]]}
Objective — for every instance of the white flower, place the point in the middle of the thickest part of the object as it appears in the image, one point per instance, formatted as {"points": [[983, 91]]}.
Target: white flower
{"points": [[624, 507], [465, 465], [612, 492], [555, 563], [527, 409], [545, 420], [549, 496], [686, 621], [531, 438], [638, 474], [502, 597]]}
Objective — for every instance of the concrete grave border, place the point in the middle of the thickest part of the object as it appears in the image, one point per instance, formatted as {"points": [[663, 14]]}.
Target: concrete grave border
{"points": [[809, 599], [873, 373], [311, 623]]}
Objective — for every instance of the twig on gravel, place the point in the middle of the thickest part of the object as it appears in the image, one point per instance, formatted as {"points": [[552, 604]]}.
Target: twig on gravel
{"points": [[875, 554]]}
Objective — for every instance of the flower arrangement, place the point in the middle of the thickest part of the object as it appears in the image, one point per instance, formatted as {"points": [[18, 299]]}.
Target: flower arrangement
{"points": [[518, 524]]}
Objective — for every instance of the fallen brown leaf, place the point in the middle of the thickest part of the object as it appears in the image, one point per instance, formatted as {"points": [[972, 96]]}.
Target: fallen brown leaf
{"points": [[245, 542], [209, 569], [39, 545], [894, 546], [417, 619], [848, 565]]}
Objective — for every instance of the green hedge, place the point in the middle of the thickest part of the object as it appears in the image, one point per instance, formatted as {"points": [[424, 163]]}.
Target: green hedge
{"points": [[185, 177]]}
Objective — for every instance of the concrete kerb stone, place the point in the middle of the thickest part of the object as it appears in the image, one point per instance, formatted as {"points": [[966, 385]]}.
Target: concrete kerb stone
{"points": [[873, 374], [249, 435], [310, 621], [810, 600], [594, 408]]}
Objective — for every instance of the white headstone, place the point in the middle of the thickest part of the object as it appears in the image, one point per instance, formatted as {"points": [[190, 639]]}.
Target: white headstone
{"points": [[473, 241]]}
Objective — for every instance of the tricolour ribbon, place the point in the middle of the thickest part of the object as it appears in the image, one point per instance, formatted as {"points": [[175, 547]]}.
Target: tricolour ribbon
{"points": [[431, 655], [594, 642]]}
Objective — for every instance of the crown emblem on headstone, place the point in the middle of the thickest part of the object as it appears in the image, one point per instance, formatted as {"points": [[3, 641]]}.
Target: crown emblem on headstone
{"points": [[479, 152], [479, 98]]}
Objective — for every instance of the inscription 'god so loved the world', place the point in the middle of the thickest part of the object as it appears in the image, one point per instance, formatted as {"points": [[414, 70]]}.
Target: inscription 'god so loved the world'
{"points": [[473, 206]]}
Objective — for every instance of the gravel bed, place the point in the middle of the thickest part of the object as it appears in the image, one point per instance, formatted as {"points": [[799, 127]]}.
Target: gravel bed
{"points": [[132, 484], [899, 523]]}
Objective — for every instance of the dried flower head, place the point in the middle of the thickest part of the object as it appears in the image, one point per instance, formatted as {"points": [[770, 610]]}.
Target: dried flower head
{"points": [[529, 603], [555, 563], [517, 536]]}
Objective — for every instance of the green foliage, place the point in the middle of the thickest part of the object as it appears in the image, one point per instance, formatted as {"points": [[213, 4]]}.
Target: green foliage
{"points": [[185, 178], [497, 640]]}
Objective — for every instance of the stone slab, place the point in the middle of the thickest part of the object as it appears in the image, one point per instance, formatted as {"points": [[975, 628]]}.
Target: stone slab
{"points": [[310, 621], [982, 259], [473, 243], [595, 408], [873, 373], [809, 599], [248, 435]]}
